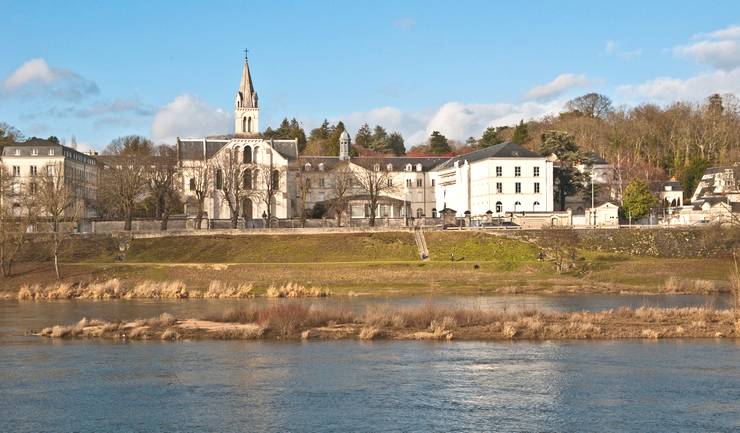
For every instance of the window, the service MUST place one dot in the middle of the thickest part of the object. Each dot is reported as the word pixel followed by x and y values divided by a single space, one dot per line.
pixel 536 172
pixel 34 152
pixel 499 171
pixel 321 183
pixel 518 187
pixel 499 187
pixel 376 167
pixel 389 167
pixel 244 124
pixel 275 179
pixel 249 124
pixel 219 179
pixel 434 212
pixel 517 171
pixel 16 171
pixel 307 167
pixel 321 166
pixel 255 153
pixel 499 207
pixel 408 167
pixel 419 212
pixel 32 187
pixel 247 179
pixel 17 152
pixel 192 184
pixel 536 187
pixel 247 155
pixel 50 170
pixel 535 205
pixel 418 183
pixel 51 152
pixel 418 167
pixel 433 182
pixel 390 183
pixel 408 183
pixel 517 204
pixel 34 171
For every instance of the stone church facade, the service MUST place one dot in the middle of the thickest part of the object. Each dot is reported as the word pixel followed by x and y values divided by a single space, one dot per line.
pixel 489 182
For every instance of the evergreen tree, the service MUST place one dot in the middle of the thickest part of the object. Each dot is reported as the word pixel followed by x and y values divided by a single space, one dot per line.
pixel 490 138
pixel 379 140
pixel 471 142
pixel 568 180
pixel 521 133
pixel 362 138
pixel 637 200
pixel 396 144
pixel 438 143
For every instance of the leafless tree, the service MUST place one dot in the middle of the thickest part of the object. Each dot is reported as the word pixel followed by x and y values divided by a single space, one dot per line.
pixel 200 179
pixel 163 186
pixel 124 180
pixel 591 105
pixel 376 182
pixel 18 212
pixel 58 204
pixel 341 186
pixel 269 180
pixel 303 189
pixel 233 182
pixel 560 245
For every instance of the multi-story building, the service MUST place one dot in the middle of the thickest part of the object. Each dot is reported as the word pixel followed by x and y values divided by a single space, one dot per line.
pixel 30 161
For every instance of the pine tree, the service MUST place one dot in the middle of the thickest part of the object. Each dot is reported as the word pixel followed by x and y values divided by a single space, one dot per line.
pixel 396 144
pixel 490 138
pixel 438 143
pixel 521 134
pixel 362 138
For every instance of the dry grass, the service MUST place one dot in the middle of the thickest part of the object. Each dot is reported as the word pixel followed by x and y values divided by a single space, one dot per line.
pixel 294 290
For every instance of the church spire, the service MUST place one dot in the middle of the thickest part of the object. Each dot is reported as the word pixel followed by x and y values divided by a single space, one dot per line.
pixel 247 96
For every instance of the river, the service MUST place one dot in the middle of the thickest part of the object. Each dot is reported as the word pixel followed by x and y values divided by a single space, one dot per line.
pixel 234 386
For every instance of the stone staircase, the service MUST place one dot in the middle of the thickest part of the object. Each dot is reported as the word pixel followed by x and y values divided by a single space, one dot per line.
pixel 421 243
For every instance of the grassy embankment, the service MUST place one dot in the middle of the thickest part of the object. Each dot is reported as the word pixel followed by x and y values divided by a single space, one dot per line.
pixel 369 263
pixel 294 321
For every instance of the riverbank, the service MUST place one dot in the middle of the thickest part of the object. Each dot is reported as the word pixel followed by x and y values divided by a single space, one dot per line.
pixel 299 322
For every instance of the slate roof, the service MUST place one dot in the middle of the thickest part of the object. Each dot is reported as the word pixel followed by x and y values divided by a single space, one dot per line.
pixel 399 162
pixel 659 186
pixel 43 146
pixel 193 149
pixel 501 150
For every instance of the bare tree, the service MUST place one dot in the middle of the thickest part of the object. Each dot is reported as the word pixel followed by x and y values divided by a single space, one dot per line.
pixel 232 182
pixel 162 175
pixel 269 181
pixel 341 185
pixel 18 213
pixel 124 181
pixel 57 203
pixel 376 182
pixel 200 178
pixel 591 105
pixel 560 245
pixel 303 189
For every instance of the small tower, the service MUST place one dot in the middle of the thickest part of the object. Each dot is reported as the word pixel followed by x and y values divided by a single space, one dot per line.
pixel 246 106
pixel 344 146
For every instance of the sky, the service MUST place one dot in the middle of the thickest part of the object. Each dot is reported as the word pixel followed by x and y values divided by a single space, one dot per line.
pixel 97 70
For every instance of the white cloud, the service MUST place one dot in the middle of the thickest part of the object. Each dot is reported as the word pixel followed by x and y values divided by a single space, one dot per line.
pixel 456 120
pixel 667 89
pixel 188 116
pixel 36 77
pixel 720 49
pixel 556 87
pixel 405 23
pixel 614 48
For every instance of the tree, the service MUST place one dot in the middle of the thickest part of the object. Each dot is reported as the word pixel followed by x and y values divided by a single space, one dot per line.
pixel 162 174
pixel 396 144
pixel 303 189
pixel 363 135
pixel 231 183
pixel 269 182
pixel 288 130
pixel 568 179
pixel 591 105
pixel 200 177
pixel 9 134
pixel 521 133
pixel 490 138
pixel 560 245
pixel 341 184
pixel 637 200
pixel 57 202
pixel 124 181
pixel 438 143
pixel 376 183
pixel 18 212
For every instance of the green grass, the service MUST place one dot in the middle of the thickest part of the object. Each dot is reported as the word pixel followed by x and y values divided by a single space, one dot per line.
pixel 472 246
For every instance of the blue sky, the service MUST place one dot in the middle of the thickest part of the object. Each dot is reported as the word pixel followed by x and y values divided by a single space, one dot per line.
pixel 163 69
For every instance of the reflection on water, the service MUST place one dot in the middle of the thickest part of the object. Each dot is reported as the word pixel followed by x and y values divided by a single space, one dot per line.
pixel 90 386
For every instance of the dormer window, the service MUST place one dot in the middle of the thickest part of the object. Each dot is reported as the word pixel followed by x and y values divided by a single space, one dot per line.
pixel 17 152
pixel 408 167
pixel 418 167
pixel 321 166
pixel 389 167
pixel 307 167
pixel 34 152
pixel 376 167
pixel 51 152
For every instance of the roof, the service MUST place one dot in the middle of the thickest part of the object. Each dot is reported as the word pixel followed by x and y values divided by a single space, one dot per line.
pixel 247 95
pixel 594 158
pixel 660 185
pixel 501 150
pixel 25 148
pixel 399 163
pixel 344 135
pixel 191 149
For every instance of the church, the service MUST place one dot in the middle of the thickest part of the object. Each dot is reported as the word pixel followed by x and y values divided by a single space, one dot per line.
pixel 244 177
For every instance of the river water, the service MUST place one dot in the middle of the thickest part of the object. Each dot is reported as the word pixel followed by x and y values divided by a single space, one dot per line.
pixel 234 386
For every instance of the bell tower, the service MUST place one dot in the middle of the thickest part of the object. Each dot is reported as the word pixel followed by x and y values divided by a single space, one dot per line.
pixel 246 105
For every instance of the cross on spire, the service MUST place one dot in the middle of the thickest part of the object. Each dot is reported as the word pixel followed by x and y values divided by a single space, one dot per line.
pixel 246 52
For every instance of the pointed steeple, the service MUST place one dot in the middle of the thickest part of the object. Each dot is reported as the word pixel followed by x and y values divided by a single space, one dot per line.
pixel 247 97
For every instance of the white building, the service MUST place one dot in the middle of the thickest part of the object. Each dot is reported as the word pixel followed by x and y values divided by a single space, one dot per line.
pixel 499 179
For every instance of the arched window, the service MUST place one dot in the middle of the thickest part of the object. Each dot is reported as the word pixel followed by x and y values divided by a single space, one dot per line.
pixel 275 179
pixel 219 179
pixel 235 154
pixel 534 205
pixel 256 152
pixel 247 155
pixel 321 166
pixel 419 212
pixel 192 184
pixel 307 167
pixel 499 207
pixel 408 167
pixel 418 167
pixel 389 167
pixel 247 209
pixel 434 212
pixel 244 124
pixel 518 203
pixel 249 124
pixel 376 167
pixel 247 179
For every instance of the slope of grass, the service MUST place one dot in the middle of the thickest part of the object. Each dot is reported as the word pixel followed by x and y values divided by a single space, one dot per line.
pixel 471 246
